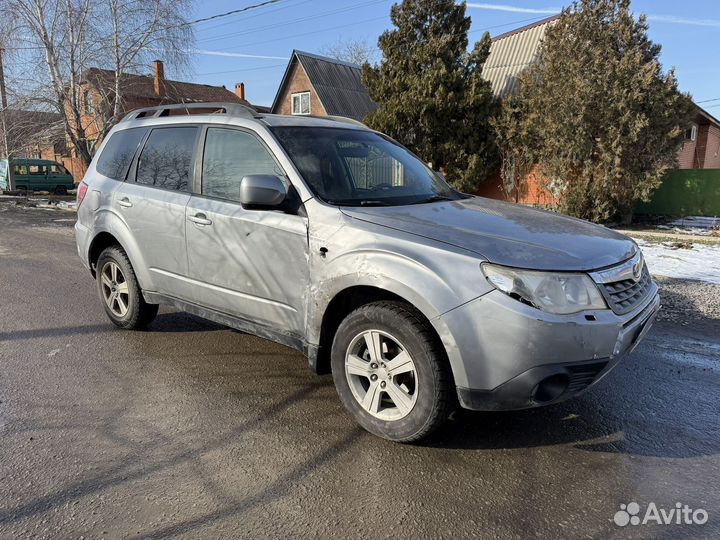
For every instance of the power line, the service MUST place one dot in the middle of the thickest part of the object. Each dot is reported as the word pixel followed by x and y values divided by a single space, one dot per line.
pixel 708 100
pixel 534 19
pixel 233 12
pixel 245 69
pixel 303 34
pixel 353 24
pixel 189 23
pixel 294 21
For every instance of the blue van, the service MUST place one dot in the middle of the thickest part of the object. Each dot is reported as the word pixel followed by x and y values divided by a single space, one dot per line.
pixel 35 175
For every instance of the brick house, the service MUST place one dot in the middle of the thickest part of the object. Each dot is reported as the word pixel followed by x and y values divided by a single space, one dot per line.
pixel 320 86
pixel 138 91
pixel 513 51
pixel 701 149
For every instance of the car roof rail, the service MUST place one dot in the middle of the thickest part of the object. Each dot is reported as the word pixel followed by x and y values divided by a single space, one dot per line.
pixel 176 109
pixel 343 119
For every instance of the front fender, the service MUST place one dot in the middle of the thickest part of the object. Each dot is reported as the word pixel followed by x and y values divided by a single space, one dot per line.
pixel 433 277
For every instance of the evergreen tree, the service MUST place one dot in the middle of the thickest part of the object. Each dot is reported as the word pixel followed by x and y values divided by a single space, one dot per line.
pixel 596 112
pixel 431 95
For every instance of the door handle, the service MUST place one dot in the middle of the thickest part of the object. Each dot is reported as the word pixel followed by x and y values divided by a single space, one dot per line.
pixel 200 219
pixel 125 202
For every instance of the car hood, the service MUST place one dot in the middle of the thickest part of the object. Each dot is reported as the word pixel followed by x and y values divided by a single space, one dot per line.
pixel 507 234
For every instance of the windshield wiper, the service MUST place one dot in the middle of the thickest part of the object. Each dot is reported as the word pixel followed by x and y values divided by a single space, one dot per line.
pixel 363 202
pixel 434 198
pixel 373 203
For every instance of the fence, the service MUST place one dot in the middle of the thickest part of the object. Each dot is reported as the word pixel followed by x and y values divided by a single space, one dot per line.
pixel 685 192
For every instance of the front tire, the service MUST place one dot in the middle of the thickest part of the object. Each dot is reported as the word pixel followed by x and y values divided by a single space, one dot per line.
pixel 391 372
pixel 120 291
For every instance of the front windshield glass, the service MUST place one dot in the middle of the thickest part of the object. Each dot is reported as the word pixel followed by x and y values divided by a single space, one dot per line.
pixel 351 167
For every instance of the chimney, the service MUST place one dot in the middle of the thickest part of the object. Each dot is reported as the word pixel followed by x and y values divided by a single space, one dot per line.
pixel 159 77
pixel 240 90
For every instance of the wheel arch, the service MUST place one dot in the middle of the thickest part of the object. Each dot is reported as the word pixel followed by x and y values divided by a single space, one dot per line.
pixel 106 238
pixel 342 304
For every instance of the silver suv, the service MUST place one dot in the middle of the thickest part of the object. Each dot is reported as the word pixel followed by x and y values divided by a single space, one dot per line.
pixel 333 239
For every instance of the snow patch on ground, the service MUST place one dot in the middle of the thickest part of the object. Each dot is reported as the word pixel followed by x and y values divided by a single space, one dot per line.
pixel 702 262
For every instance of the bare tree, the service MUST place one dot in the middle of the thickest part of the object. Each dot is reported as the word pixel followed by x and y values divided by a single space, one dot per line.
pixel 67 37
pixel 354 51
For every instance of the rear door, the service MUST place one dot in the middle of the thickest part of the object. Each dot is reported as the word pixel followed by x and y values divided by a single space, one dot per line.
pixel 152 202
pixel 247 263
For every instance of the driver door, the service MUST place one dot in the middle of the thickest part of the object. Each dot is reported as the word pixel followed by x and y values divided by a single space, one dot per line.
pixel 252 264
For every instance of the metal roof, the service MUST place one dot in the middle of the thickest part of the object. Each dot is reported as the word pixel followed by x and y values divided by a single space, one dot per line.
pixel 511 52
pixel 337 84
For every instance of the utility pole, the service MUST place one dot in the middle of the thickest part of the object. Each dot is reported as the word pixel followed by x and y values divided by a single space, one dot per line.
pixel 3 93
pixel 3 124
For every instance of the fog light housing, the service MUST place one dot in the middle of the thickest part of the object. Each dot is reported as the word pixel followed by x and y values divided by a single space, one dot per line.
pixel 551 388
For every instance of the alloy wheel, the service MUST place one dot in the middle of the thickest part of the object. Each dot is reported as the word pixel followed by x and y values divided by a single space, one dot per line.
pixel 382 375
pixel 115 289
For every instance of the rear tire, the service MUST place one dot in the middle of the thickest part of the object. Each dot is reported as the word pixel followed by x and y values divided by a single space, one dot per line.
pixel 60 190
pixel 391 372
pixel 120 291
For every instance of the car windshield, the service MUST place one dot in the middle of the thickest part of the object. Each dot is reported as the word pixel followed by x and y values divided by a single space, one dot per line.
pixel 350 167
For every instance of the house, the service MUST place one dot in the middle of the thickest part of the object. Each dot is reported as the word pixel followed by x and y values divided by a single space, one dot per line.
pixel 513 51
pixel 321 86
pixel 32 134
pixel 96 87
pixel 701 149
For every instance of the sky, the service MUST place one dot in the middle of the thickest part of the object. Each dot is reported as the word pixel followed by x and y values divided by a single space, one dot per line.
pixel 254 47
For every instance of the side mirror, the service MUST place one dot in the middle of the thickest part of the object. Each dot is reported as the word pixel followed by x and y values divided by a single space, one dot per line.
pixel 262 190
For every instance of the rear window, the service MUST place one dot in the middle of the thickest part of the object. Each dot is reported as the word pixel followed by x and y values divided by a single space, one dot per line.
pixel 166 159
pixel 115 158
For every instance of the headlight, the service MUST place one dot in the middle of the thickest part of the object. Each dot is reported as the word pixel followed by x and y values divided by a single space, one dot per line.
pixel 554 292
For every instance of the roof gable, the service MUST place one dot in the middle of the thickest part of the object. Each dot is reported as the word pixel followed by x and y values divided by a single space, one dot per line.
pixel 338 85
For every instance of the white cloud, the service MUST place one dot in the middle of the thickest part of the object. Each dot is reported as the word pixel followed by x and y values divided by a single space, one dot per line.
pixel 237 55
pixel 714 23
pixel 512 9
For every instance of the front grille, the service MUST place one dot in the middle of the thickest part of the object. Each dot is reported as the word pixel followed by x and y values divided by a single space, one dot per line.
pixel 622 296
pixel 582 375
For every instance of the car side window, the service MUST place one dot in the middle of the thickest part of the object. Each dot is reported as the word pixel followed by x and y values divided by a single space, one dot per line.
pixel 166 159
pixel 118 153
pixel 229 155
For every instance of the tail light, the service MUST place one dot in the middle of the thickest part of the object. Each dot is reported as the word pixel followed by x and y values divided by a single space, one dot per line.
pixel 81 192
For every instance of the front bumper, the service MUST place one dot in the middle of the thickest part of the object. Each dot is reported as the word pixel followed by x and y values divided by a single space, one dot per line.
pixel 507 355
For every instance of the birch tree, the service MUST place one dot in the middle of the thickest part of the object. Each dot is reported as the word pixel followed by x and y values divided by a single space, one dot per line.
pixel 64 38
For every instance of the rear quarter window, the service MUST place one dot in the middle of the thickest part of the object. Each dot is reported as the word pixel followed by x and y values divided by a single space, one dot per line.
pixel 118 153
pixel 166 160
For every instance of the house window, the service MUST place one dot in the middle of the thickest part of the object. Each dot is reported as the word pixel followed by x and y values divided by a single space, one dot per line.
pixel 301 103
pixel 691 133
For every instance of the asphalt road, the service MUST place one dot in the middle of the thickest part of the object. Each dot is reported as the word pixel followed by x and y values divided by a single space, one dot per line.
pixel 193 430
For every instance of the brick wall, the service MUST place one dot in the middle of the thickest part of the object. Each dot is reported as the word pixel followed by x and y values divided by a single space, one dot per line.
pixel 298 81
pixel 686 155
pixel 531 192
pixel 710 150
